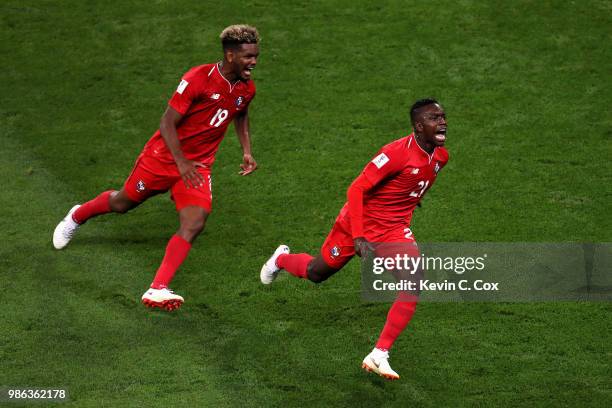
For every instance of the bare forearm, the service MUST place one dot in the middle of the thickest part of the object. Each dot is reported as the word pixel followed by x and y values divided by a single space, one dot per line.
pixel 171 139
pixel 241 124
pixel 245 142
pixel 167 128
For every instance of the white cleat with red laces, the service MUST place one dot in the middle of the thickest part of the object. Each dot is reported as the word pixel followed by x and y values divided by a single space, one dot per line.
pixel 162 298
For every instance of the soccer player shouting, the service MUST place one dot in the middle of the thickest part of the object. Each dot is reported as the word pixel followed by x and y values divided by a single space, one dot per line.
pixel 179 156
pixel 379 209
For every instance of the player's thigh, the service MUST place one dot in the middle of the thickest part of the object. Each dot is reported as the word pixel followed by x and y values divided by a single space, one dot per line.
pixel 403 256
pixel 120 202
pixel 338 248
pixel 200 196
pixel 400 244
pixel 149 177
pixel 192 218
pixel 319 271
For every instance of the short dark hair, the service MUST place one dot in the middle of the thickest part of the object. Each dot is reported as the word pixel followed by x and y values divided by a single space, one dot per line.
pixel 237 34
pixel 418 105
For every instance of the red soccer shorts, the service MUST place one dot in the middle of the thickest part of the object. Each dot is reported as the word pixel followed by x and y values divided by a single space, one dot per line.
pixel 339 248
pixel 151 176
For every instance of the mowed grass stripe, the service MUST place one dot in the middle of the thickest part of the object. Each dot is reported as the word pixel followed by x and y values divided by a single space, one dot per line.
pixel 73 318
pixel 523 84
pixel 95 337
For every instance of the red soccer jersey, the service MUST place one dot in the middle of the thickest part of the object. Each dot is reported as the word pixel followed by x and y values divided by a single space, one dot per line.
pixel 208 103
pixel 400 174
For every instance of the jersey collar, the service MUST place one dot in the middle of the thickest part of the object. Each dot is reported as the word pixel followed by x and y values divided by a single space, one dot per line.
pixel 412 140
pixel 218 69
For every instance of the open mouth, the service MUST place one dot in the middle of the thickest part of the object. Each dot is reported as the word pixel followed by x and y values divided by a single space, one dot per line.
pixel 247 71
pixel 440 135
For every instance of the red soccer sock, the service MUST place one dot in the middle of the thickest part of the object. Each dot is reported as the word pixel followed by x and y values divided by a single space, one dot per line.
pixel 295 264
pixel 397 319
pixel 92 208
pixel 176 252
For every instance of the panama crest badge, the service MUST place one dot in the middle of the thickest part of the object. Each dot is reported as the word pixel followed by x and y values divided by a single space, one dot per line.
pixel 335 252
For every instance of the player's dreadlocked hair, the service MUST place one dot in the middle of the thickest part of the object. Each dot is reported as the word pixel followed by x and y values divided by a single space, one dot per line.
pixel 414 110
pixel 237 34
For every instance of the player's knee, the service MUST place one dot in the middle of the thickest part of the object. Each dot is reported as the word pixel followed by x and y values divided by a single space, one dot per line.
pixel 314 275
pixel 121 204
pixel 193 226
pixel 192 221
pixel 121 208
pixel 316 278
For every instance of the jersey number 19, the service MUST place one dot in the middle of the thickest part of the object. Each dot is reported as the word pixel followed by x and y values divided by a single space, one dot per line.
pixel 219 117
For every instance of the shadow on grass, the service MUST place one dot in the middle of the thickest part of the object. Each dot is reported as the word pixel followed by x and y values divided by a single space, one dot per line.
pixel 120 240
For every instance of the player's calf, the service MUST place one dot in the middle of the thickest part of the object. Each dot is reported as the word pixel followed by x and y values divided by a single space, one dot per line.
pixel 120 203
pixel 303 266
pixel 319 271
pixel 192 220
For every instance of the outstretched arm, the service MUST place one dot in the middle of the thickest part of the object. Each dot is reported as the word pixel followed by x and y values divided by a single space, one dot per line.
pixel 241 123
pixel 187 168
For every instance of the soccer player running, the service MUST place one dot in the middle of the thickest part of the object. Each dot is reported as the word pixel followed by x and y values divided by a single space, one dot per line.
pixel 179 156
pixel 379 209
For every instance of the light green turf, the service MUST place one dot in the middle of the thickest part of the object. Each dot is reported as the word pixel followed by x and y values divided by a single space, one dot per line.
pixel 526 86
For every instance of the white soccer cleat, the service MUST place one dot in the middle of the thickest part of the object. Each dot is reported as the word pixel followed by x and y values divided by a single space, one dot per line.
pixel 162 298
pixel 65 229
pixel 269 270
pixel 378 362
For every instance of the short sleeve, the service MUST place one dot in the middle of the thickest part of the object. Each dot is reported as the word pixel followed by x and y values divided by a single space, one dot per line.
pixel 384 165
pixel 186 93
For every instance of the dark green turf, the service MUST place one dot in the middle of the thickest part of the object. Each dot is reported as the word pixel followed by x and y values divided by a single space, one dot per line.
pixel 527 90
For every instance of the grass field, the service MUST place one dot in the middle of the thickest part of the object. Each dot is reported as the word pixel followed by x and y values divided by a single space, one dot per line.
pixel 527 90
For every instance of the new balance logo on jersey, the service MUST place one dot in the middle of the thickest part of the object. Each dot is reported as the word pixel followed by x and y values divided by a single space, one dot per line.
pixel 182 86
pixel 415 171
pixel 215 96
pixel 380 160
